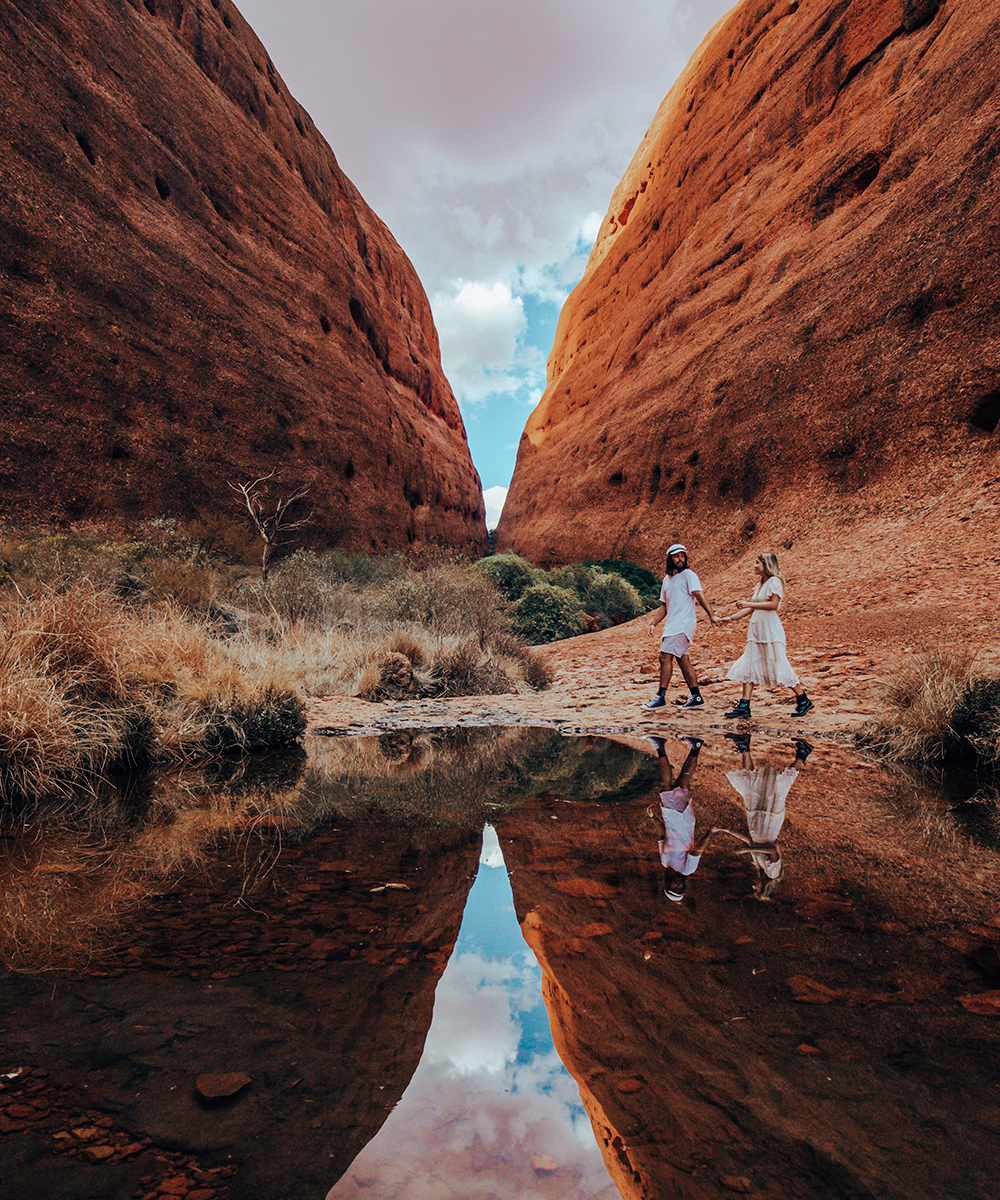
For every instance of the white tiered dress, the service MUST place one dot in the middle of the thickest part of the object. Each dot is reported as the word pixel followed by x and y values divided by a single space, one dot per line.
pixel 764 661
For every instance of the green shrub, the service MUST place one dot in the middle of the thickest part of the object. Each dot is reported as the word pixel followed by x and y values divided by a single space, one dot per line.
pixel 509 573
pixel 602 594
pixel 614 598
pixel 547 614
pixel 643 580
pixel 578 577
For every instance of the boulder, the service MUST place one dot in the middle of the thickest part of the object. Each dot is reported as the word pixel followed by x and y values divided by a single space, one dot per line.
pixel 193 294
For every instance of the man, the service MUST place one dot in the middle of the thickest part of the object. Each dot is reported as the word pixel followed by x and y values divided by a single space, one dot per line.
pixel 681 588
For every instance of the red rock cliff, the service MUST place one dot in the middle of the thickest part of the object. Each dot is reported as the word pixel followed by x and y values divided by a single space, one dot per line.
pixel 790 315
pixel 192 292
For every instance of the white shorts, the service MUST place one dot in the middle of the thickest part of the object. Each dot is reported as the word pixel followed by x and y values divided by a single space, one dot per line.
pixel 677 644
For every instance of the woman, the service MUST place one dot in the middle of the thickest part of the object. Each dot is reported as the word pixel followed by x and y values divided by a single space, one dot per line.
pixel 764 660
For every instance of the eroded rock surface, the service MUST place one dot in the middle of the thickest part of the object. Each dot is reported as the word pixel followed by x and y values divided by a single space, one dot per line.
pixel 193 293
pixel 789 320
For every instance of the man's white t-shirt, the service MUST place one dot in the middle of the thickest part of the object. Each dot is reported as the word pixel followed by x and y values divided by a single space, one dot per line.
pixel 677 593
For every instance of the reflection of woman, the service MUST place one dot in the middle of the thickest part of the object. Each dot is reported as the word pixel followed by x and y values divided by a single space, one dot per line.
pixel 763 791
pixel 679 852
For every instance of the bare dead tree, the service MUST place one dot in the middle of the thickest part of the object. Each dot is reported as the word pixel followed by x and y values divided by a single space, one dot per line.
pixel 270 522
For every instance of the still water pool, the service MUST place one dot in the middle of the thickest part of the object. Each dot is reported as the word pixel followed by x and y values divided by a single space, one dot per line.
pixel 506 962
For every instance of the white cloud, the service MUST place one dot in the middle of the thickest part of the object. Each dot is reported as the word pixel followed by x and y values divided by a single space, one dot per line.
pixel 494 498
pixel 481 327
pixel 489 138
pixel 483 135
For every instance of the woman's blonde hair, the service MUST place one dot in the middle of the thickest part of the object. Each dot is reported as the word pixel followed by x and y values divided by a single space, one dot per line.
pixel 769 562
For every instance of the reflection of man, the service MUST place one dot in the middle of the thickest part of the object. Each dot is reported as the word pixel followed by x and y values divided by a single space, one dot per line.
pixel 679 852
pixel 763 791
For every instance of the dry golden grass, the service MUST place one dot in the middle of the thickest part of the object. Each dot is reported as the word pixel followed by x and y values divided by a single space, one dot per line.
pixel 919 702
pixel 88 685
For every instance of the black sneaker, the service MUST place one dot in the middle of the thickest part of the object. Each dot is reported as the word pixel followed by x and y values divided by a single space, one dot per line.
pixel 803 706
pixel 742 709
pixel 656 702
pixel 694 702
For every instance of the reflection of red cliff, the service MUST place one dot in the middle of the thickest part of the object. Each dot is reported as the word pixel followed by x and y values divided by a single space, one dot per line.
pixel 790 308
pixel 192 292
pixel 801 1048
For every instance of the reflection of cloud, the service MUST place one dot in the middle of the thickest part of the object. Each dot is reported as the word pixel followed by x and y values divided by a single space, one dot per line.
pixel 491 855
pixel 475 1133
pixel 468 1140
pixel 481 1106
pixel 474 1007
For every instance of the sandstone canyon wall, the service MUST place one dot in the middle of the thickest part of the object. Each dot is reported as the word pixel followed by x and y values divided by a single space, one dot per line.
pixel 789 322
pixel 193 293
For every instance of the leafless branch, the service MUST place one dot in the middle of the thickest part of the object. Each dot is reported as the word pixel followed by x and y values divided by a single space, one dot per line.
pixel 270 524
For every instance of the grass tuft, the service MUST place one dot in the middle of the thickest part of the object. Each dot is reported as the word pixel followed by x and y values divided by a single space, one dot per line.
pixel 936 706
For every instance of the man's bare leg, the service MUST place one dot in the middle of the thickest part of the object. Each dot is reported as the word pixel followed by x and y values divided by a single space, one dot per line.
pixel 691 679
pixel 666 670
pixel 688 671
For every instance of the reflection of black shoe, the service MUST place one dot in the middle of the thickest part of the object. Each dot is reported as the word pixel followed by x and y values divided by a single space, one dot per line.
pixel 802 748
pixel 740 740
pixel 803 706
pixel 657 743
pixel 694 744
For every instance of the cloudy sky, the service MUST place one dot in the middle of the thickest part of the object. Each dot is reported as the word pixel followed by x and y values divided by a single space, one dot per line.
pixel 489 137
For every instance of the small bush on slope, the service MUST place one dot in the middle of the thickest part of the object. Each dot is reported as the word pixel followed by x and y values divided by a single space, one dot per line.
pixel 936 706
pixel 510 574
pixel 547 614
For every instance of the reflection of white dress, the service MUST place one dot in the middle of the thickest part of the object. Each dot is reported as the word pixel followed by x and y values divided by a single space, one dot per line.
pixel 763 791
pixel 764 660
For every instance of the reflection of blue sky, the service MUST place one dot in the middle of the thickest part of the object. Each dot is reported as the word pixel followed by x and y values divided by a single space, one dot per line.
pixel 490 1094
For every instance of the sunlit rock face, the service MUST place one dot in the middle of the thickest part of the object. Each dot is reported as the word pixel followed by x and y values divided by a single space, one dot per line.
pixel 193 293
pixel 790 309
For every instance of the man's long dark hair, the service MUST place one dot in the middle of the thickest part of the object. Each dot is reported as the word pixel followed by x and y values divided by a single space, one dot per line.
pixel 671 569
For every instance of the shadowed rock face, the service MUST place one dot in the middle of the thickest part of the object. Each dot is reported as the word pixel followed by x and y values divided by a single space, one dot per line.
pixel 193 293
pixel 790 309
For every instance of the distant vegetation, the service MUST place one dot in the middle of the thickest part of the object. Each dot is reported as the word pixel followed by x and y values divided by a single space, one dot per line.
pixel 578 598
pixel 938 707
pixel 170 647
